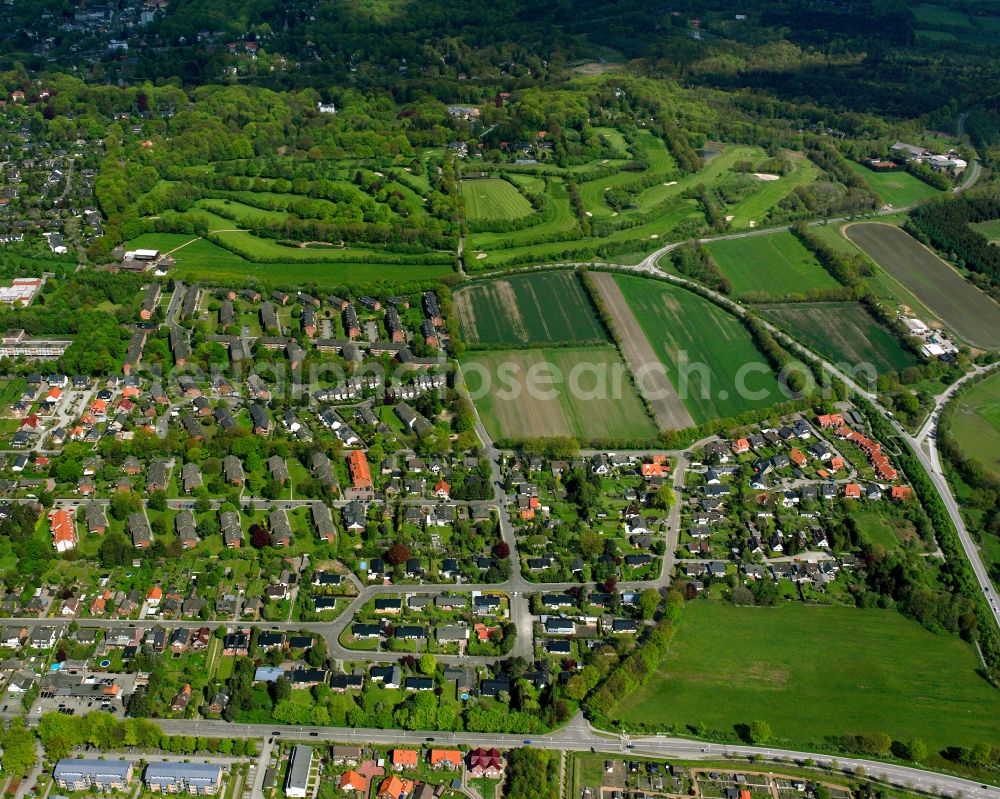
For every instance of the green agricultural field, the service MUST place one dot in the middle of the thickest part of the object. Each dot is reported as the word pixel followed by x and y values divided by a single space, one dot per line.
pixel 535 308
pixel 975 423
pixel 708 354
pixel 777 265
pixel 492 199
pixel 882 283
pixel 963 308
pixel 842 332
pixel 580 392
pixel 201 260
pixel 898 189
pixel 817 672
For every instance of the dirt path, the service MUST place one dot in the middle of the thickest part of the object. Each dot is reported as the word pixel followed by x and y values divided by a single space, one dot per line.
pixel 668 409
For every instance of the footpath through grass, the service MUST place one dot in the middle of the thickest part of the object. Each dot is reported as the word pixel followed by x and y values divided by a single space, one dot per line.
pixel 818 672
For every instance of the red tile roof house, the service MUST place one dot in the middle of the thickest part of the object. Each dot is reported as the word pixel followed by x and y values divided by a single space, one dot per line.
pixel 63 530
pixel 357 464
pixel 181 700
pixel 352 781
pixel 657 468
pixel 446 758
pixel 403 758
pixel 485 763
pixel 902 493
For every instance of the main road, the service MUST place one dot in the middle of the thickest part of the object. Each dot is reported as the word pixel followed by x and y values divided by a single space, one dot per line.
pixel 579 736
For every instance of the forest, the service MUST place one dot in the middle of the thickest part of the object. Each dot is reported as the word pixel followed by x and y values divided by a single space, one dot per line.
pixel 946 226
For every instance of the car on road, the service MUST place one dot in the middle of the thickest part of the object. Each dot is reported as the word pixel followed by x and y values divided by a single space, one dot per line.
pixel 314 735
pixel 428 739
pixel 527 742
pixel 276 732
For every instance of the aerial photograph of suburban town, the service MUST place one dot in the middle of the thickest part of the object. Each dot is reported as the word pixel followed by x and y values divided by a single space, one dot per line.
pixel 534 399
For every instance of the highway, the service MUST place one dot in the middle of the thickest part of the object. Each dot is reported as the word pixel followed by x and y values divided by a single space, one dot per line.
pixel 579 736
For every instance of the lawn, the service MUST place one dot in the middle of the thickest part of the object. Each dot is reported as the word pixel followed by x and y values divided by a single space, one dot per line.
pixel 815 672
pixel 223 207
pixel 492 199
pixel 713 170
pixel 533 308
pixel 708 354
pixel 202 260
pixel 964 308
pixel 898 189
pixel 777 265
pixel 755 208
pixel 11 391
pixel 975 423
pixel 941 16
pixel 580 392
pixel 842 332
pixel 989 229
pixel 269 249
pixel 875 529
pixel 558 218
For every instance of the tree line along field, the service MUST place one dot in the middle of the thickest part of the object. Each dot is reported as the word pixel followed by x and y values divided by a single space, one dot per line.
pixel 842 332
pixel 491 199
pixel 898 189
pixel 975 424
pixel 882 283
pixel 706 351
pixel 817 672
pixel 961 306
pixel 775 265
pixel 548 307
pixel 592 400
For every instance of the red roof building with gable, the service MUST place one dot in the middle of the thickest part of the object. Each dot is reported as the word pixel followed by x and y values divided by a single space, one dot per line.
pixel 357 464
